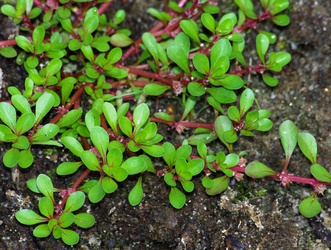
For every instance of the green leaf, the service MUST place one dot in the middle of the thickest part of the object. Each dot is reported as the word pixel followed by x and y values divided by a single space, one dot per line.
pixel 190 28
pixel 119 17
pixel 24 43
pixel 308 146
pixel 70 118
pixel 188 186
pixel 164 116
pixel 114 55
pixel 53 67
pixel 202 150
pixel 222 125
pixel 25 123
pixel 183 151
pixel 288 135
pixel 25 158
pixel 8 10
pixel 179 50
pixel 96 193
pixel 32 185
pixel 8 52
pixel 74 202
pixel 120 40
pixel 278 6
pixel 177 198
pixel 74 45
pixel 195 166
pixel 140 116
pixel 169 154
pixel 247 7
pixel 69 237
pixel 43 106
pixel 189 106
pixel 73 145
pixel 207 182
pixel 101 43
pixel 6 134
pixel 90 161
pixel 264 124
pixel 208 21
pixel 109 185
pixel 45 186
pixel 161 15
pixel 38 35
pixel 218 185
pixel 271 36
pixel 63 12
pixel 182 169
pixel 151 45
pixel 100 139
pixel 114 157
pixel 201 63
pixel 125 126
pixel 222 48
pixel 153 150
pixel 310 207
pixel 246 101
pixel 88 52
pixel 11 157
pixel 56 229
pixel 67 168
pixel 46 207
pixel 233 114
pixel 215 104
pixel 262 45
pixel 269 80
pixel 229 82
pixel 231 160
pixel 110 114
pixel 29 217
pixel 66 90
pixel 66 219
pixel 154 89
pixel 90 24
pixel 281 20
pixel 222 95
pixel 226 24
pixel 257 169
pixel 134 165
pixel 137 193
pixel 21 103
pixel 169 179
pixel 277 60
pixel 92 119
pixel 84 220
pixel 8 115
pixel 45 133
pixel 35 12
pixel 320 173
pixel 42 231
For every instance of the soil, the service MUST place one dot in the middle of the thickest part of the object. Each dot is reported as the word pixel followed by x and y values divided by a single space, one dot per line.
pixel 252 214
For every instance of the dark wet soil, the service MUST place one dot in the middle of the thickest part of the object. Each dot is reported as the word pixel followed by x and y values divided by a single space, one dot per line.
pixel 267 221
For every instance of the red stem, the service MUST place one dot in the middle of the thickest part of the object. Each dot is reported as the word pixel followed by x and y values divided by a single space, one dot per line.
pixel 151 75
pixel 5 43
pixel 183 123
pixel 102 9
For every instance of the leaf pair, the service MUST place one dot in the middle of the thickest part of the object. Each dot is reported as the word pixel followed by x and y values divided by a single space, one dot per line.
pixel 184 169
pixel 276 61
pixel 13 129
pixel 56 226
